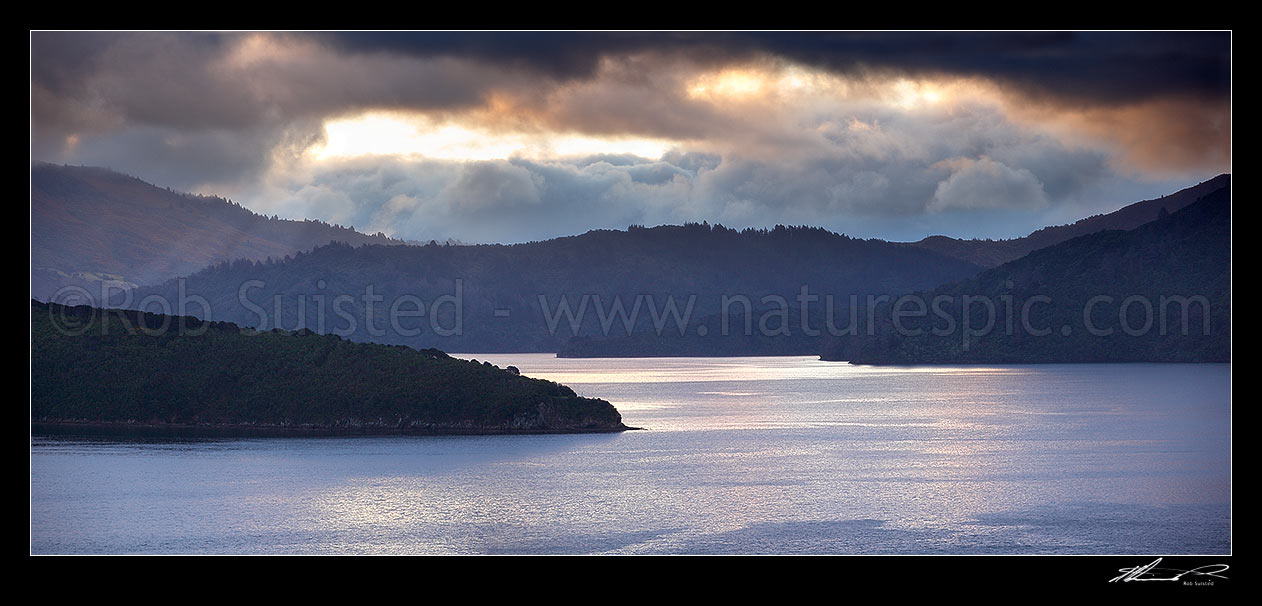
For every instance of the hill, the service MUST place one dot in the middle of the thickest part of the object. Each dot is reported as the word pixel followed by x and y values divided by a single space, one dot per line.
pixel 536 296
pixel 125 368
pixel 93 225
pixel 1158 293
pixel 990 253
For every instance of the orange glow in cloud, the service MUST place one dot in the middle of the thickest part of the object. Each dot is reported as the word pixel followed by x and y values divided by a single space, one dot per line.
pixel 740 104
pixel 728 84
pixel 755 83
pixel 399 134
pixel 1158 136
pixel 804 87
pixel 910 94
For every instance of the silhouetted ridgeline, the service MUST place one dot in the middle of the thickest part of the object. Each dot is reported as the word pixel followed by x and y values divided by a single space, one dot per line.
pixel 990 253
pixel 537 296
pixel 93 367
pixel 794 329
pixel 690 290
pixel 1158 293
pixel 90 225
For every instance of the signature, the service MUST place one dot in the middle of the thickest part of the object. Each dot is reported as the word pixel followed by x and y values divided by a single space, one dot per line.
pixel 1150 572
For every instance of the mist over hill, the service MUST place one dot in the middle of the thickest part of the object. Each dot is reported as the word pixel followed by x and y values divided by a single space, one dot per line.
pixel 1158 293
pixel 93 225
pixel 695 289
pixel 990 253
pixel 804 329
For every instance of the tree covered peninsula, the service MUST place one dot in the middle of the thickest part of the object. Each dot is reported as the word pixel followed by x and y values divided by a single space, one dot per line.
pixel 117 369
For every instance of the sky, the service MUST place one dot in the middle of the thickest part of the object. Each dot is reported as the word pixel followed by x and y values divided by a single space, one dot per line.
pixel 519 136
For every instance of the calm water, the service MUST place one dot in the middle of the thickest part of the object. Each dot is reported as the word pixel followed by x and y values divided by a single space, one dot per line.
pixel 740 455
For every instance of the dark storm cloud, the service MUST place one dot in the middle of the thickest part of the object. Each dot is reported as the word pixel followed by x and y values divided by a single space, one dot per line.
pixel 1107 67
pixel 181 159
pixel 178 78
pixel 1104 67
pixel 561 55
pixel 1036 123
pixel 101 80
pixel 186 160
pixel 105 81
pixel 170 106
pixel 233 81
pixel 60 61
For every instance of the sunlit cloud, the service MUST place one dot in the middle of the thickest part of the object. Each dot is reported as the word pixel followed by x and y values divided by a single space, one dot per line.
pixel 395 134
pixel 387 135
pixel 914 94
pixel 761 83
pixel 730 83
pixel 509 137
pixel 1172 136
pixel 803 88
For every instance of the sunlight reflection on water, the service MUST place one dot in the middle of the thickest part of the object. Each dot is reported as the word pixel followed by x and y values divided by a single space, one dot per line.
pixel 739 455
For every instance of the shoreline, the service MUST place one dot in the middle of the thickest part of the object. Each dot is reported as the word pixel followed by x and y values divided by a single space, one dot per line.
pixel 185 430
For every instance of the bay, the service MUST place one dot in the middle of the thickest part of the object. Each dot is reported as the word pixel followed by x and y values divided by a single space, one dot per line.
pixel 783 455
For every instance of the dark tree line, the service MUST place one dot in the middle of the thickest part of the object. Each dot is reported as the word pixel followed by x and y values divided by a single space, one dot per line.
pixel 115 366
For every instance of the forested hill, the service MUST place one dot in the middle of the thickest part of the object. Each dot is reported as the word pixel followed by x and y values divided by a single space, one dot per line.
pixel 990 253
pixel 1158 293
pixel 125 368
pixel 93 224
pixel 536 296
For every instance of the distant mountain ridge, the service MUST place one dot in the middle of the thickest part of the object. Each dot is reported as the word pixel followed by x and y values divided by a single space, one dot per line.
pixel 711 341
pixel 990 253
pixel 1158 293
pixel 536 296
pixel 90 225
